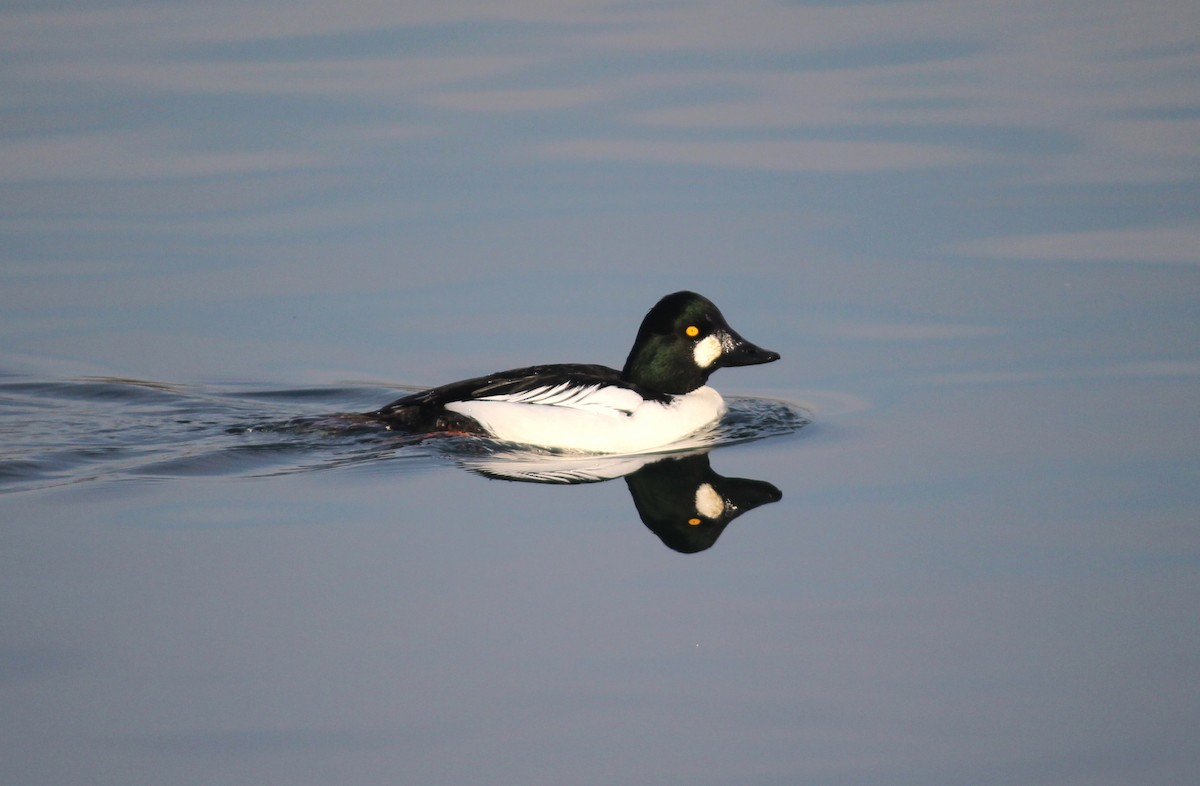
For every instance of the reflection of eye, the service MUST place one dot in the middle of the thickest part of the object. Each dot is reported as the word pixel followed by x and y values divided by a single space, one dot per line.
pixel 692 331
pixel 693 521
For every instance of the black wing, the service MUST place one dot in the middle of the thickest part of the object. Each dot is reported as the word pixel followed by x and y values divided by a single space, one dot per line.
pixel 425 409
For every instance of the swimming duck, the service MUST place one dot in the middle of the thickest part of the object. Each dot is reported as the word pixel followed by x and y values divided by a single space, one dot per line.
pixel 657 398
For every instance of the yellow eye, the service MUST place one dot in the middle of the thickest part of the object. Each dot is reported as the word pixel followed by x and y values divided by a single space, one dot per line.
pixel 693 521
pixel 692 331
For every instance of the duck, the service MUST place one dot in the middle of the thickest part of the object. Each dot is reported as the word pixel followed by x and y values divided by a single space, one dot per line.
pixel 659 396
pixel 678 496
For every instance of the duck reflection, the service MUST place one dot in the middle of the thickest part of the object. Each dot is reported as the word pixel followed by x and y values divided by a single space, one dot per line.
pixel 688 505
pixel 680 498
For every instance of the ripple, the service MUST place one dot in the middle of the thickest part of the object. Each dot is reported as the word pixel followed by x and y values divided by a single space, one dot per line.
pixel 95 428
pixel 750 419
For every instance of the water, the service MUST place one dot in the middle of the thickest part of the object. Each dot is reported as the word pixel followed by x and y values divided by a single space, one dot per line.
pixel 103 429
pixel 966 544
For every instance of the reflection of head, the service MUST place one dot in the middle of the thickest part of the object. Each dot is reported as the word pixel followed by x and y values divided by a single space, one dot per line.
pixel 688 505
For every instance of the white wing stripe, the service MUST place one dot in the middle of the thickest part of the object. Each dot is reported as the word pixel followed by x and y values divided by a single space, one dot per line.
pixel 566 395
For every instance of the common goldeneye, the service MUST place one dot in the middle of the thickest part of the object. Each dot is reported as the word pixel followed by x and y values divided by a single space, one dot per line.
pixel 679 497
pixel 659 397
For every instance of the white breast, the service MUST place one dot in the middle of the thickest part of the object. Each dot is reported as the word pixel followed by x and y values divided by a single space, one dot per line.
pixel 596 419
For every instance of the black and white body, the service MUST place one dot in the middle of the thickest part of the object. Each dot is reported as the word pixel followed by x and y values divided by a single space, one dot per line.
pixel 659 397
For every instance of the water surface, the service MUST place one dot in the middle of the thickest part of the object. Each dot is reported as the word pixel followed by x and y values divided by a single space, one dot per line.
pixel 970 230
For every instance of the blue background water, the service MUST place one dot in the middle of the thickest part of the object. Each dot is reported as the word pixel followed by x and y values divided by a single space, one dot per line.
pixel 970 229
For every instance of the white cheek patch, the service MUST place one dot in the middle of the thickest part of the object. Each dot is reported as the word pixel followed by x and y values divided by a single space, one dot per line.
pixel 707 350
pixel 709 503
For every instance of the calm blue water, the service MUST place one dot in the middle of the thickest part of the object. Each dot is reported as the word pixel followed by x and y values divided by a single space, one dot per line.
pixel 971 230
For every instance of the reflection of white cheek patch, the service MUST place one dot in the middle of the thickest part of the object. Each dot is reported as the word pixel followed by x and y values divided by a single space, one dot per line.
pixel 707 350
pixel 708 502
